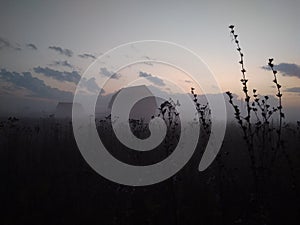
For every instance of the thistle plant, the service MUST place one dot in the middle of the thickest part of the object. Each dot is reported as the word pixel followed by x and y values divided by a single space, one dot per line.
pixel 258 107
pixel 168 112
pixel 244 80
pixel 279 96
pixel 261 131
pixel 204 112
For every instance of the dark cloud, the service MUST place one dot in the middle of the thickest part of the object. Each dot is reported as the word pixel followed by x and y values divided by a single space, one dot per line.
pixel 107 73
pixel 287 69
pixel 142 74
pixel 91 85
pixel 148 63
pixel 66 52
pixel 293 89
pixel 4 43
pixel 153 79
pixel 87 55
pixel 73 76
pixel 18 48
pixel 31 46
pixel 62 63
pixel 36 86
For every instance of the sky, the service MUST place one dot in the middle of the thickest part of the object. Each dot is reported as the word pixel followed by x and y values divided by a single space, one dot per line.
pixel 46 46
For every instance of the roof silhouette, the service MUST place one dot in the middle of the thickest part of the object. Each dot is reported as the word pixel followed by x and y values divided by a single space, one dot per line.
pixel 64 109
pixel 143 109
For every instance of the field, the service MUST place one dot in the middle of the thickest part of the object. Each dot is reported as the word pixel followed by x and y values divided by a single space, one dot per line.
pixel 45 180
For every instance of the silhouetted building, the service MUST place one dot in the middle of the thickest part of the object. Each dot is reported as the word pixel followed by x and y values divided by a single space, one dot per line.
pixel 143 109
pixel 64 109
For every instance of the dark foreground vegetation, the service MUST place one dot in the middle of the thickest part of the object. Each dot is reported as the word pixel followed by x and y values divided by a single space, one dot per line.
pixel 45 180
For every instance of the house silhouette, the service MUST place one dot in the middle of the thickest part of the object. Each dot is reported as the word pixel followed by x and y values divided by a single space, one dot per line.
pixel 143 109
pixel 64 109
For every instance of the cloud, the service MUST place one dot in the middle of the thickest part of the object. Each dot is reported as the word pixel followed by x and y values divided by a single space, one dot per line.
pixel 18 48
pixel 4 43
pixel 293 89
pixel 87 55
pixel 66 52
pixel 31 46
pixel 287 69
pixel 73 76
pixel 152 79
pixel 34 85
pixel 142 74
pixel 107 73
pixel 91 85
pixel 62 63
pixel 148 63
